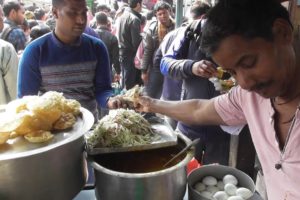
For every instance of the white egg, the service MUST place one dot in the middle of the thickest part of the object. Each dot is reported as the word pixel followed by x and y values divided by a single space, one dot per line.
pixel 199 187
pixel 244 192
pixel 209 180
pixel 206 194
pixel 220 195
pixel 235 198
pixel 230 179
pixel 212 189
pixel 220 185
pixel 230 189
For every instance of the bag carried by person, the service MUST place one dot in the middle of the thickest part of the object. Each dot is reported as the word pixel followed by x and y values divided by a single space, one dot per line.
pixel 6 31
pixel 139 56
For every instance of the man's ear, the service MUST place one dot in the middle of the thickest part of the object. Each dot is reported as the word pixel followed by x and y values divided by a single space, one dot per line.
pixel 12 13
pixel 54 12
pixel 282 30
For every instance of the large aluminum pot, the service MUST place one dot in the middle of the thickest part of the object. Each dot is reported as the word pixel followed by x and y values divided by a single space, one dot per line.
pixel 164 184
pixel 52 171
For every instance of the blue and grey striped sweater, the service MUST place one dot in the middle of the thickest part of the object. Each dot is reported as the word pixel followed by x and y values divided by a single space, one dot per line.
pixel 80 71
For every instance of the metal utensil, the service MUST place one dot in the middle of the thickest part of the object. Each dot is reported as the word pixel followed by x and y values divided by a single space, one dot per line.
pixel 193 143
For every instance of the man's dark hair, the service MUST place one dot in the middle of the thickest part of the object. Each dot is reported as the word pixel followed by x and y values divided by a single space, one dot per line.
pixel 9 6
pixel 32 23
pixel 39 13
pixel 38 31
pixel 133 3
pixel 248 18
pixel 161 5
pixel 101 18
pixel 57 2
pixel 102 7
pixel 199 8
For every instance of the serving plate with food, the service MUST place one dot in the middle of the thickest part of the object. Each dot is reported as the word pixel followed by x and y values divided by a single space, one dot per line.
pixel 41 122
pixel 124 130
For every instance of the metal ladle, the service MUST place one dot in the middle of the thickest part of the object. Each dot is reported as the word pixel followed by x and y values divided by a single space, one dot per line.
pixel 193 143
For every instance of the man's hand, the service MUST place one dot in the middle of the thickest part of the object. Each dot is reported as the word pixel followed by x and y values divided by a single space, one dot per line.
pixel 204 68
pixel 144 104
pixel 117 77
pixel 145 77
pixel 116 102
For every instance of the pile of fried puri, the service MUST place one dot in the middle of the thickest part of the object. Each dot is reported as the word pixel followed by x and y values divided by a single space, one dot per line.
pixel 36 117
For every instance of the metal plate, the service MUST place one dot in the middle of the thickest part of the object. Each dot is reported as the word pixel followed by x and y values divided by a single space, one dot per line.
pixel 19 147
pixel 167 137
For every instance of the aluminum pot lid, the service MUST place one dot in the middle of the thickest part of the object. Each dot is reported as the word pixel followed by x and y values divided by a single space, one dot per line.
pixel 19 147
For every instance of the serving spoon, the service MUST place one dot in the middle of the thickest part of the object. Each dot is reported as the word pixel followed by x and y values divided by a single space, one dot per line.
pixel 184 150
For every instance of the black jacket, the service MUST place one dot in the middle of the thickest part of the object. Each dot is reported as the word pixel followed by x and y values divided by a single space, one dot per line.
pixel 129 33
pixel 151 44
pixel 112 45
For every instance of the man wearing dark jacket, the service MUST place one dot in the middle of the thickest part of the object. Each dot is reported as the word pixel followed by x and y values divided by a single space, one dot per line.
pixel 129 35
pixel 154 35
pixel 110 41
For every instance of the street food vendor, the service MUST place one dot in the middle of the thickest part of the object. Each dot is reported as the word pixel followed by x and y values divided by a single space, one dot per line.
pixel 68 61
pixel 253 40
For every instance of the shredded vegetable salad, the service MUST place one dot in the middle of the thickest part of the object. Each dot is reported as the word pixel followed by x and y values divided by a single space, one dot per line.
pixel 121 128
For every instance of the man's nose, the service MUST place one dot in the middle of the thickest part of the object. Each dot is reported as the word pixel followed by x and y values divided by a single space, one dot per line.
pixel 245 80
pixel 80 19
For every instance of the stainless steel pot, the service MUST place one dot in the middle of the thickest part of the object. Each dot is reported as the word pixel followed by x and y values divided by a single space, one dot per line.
pixel 54 171
pixel 165 184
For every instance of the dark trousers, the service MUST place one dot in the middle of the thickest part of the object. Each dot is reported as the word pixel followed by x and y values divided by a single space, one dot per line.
pixel 130 75
pixel 214 144
pixel 155 83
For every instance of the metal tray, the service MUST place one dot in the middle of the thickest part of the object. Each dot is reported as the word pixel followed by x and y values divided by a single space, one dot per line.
pixel 19 147
pixel 167 137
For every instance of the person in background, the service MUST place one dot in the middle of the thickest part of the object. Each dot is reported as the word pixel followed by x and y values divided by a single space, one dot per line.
pixel 182 62
pixel 129 37
pixel 40 16
pixel 32 23
pixel 149 18
pixel 111 43
pixel 14 13
pixel 152 78
pixel 50 22
pixel 262 54
pixel 171 87
pixel 26 29
pixel 29 15
pixel 68 61
pixel 8 69
pixel 38 31
pixel 99 8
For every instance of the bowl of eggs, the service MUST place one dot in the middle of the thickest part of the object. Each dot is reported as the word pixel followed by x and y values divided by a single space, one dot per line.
pixel 219 182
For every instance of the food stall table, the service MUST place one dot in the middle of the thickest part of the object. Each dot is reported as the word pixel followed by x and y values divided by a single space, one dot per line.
pixel 90 195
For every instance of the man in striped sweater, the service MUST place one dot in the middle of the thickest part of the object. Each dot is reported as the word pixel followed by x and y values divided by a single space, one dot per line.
pixel 68 61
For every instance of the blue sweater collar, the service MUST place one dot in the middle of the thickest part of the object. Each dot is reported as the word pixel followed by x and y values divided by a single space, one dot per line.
pixel 77 43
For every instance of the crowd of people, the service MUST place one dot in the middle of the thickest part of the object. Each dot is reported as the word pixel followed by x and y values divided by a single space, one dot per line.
pixel 82 52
